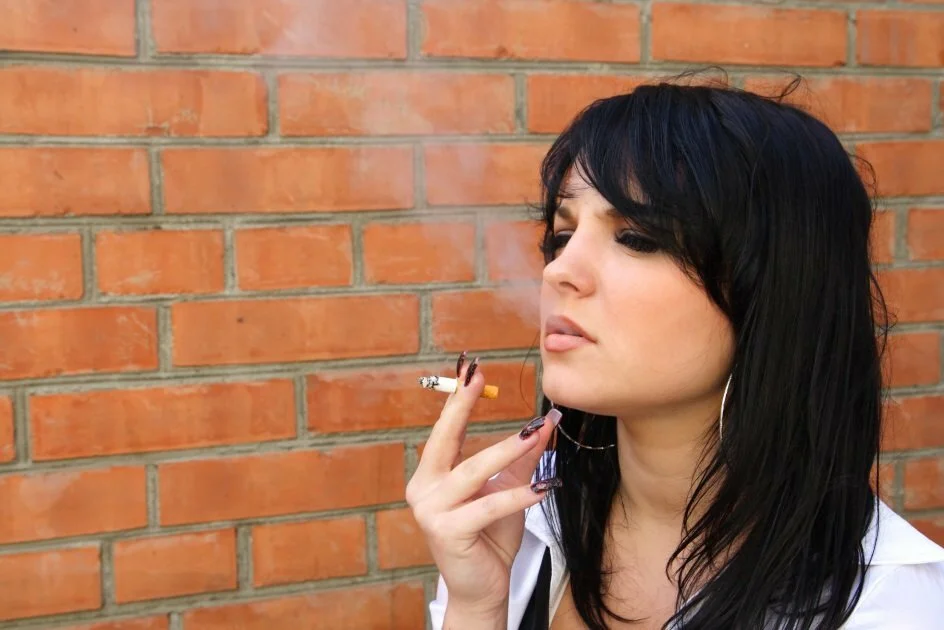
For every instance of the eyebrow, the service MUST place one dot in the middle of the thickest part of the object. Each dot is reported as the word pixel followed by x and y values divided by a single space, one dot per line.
pixel 565 213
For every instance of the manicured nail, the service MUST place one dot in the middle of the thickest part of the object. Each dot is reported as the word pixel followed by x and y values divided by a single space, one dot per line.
pixel 471 371
pixel 554 417
pixel 460 363
pixel 532 427
pixel 546 484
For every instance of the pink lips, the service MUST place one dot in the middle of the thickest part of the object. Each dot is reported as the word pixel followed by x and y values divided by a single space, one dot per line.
pixel 562 334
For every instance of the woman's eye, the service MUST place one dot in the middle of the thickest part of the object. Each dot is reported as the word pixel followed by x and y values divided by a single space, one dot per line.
pixel 636 242
pixel 556 243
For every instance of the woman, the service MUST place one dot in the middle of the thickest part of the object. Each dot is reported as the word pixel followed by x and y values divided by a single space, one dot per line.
pixel 711 338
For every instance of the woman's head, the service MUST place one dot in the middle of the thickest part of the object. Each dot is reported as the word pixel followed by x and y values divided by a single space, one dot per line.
pixel 693 233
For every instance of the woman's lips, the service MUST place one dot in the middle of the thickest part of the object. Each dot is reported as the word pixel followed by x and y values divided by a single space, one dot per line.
pixel 563 334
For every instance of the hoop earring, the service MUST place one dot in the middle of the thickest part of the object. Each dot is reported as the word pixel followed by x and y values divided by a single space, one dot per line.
pixel 724 397
pixel 560 429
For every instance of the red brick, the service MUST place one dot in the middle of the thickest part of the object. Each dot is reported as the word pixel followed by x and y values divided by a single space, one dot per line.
pixel 318 179
pixel 310 550
pixel 924 483
pixel 77 341
pixel 89 424
pixel 483 174
pixel 883 237
pixel 74 503
pixel 49 582
pixel 887 476
pixel 748 35
pixel 55 181
pixel 400 542
pixel 242 487
pixel 859 105
pixel 91 27
pixel 913 359
pixel 531 29
pixel 512 250
pixel 391 398
pixel 383 607
pixel 7 433
pixel 281 257
pixel 914 295
pixel 926 233
pixel 932 527
pixel 143 262
pixel 68 101
pixel 914 423
pixel 900 38
pixel 906 168
pixel 316 28
pixel 40 266
pixel 168 566
pixel 554 100
pixel 492 320
pixel 145 623
pixel 381 103
pixel 419 252
pixel 296 329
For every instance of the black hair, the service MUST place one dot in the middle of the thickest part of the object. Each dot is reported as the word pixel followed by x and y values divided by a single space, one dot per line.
pixel 761 204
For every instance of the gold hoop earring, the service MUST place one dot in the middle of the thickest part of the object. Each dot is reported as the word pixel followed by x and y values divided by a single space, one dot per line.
pixel 724 397
pixel 560 429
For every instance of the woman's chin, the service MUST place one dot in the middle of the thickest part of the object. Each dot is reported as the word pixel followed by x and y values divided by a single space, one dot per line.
pixel 570 393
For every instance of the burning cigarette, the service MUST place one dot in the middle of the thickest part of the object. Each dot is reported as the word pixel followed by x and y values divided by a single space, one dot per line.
pixel 449 385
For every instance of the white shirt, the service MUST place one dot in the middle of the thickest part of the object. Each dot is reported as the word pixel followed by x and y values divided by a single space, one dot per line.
pixel 903 589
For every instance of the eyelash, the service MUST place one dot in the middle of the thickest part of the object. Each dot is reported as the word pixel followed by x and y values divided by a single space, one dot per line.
pixel 628 239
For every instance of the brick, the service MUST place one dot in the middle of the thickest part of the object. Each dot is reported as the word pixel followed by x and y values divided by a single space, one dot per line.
pixel 915 423
pixel 283 553
pixel 89 27
pixel 148 262
pixel 56 181
pixel 913 359
pixel 77 341
pixel 419 252
pixel 748 35
pixel 887 477
pixel 859 105
pixel 7 432
pixel 400 542
pixel 318 179
pixel 900 38
pixel 914 295
pixel 531 29
pixel 383 607
pixel 483 174
pixel 170 103
pixel 926 233
pixel 931 527
pixel 370 29
pixel 168 566
pixel 906 168
pixel 74 503
pixel 512 250
pixel 486 320
pixel 145 623
pixel 882 237
pixel 40 267
pixel 95 423
pixel 242 487
pixel 924 483
pixel 554 100
pixel 391 398
pixel 49 582
pixel 384 103
pixel 296 329
pixel 281 257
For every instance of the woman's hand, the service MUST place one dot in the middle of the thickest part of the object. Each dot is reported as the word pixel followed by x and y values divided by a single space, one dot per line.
pixel 472 511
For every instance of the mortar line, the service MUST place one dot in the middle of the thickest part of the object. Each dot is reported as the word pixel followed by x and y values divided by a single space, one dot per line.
pixel 230 283
pixel 21 427
pixel 244 568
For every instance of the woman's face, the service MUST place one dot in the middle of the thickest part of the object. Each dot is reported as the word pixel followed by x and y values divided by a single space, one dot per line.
pixel 651 341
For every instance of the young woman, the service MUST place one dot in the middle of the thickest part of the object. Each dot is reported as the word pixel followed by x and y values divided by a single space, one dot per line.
pixel 711 338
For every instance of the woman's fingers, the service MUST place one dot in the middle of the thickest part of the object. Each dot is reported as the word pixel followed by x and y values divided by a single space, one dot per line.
pixel 521 470
pixel 476 515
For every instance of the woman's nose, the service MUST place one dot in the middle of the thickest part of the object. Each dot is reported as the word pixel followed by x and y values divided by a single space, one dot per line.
pixel 572 269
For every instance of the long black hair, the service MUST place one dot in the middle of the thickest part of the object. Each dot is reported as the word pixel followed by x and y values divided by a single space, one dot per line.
pixel 760 203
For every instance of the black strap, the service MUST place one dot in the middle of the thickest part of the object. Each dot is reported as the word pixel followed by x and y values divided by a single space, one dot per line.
pixel 537 614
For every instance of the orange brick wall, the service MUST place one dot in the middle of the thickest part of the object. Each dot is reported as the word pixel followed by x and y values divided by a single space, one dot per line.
pixel 233 232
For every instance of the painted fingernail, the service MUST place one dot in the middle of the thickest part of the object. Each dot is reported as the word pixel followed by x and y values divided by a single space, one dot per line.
pixel 471 371
pixel 460 363
pixel 546 484
pixel 554 417
pixel 532 427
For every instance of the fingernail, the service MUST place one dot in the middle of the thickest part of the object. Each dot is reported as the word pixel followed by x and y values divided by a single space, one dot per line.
pixel 553 416
pixel 530 428
pixel 546 484
pixel 471 371
pixel 460 363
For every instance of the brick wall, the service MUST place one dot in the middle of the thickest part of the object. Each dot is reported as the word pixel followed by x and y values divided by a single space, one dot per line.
pixel 233 232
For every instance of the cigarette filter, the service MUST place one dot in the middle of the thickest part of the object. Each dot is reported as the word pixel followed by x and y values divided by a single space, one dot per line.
pixel 448 385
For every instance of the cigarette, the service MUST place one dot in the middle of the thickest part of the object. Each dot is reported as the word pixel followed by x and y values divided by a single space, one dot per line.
pixel 448 385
